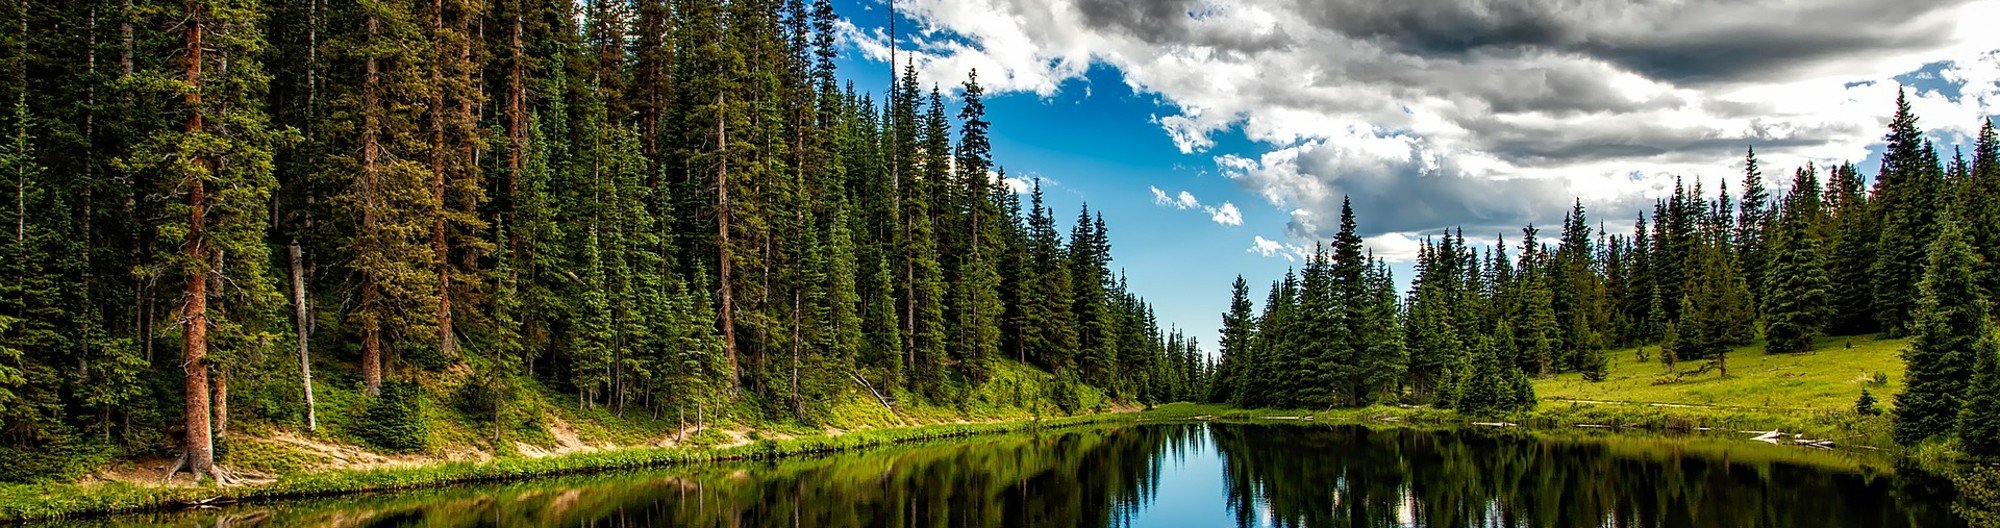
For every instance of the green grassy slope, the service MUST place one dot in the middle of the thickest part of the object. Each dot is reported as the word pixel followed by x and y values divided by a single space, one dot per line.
pixel 1828 379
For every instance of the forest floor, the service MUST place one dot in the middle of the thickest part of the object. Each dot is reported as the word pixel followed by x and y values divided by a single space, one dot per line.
pixel 551 434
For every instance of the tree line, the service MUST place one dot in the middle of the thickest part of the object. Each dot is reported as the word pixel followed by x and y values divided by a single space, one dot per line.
pixel 1914 253
pixel 663 205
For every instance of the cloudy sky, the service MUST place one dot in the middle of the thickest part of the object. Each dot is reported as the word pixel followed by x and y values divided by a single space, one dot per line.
pixel 1219 137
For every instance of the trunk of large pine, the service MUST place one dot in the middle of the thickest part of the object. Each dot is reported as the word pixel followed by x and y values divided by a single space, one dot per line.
pixel 200 447
pixel 728 309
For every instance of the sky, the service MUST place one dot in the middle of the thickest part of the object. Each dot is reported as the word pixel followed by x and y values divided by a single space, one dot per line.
pixel 1219 137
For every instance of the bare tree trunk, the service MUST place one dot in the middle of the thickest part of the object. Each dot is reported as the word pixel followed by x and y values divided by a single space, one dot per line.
pixel 221 400
pixel 371 326
pixel 299 319
pixel 200 447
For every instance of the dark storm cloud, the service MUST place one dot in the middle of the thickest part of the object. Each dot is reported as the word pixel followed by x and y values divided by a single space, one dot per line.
pixel 1172 22
pixel 1399 196
pixel 1631 140
pixel 1149 19
pixel 1691 42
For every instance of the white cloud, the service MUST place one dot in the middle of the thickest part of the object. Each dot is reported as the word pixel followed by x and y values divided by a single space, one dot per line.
pixel 1185 200
pixel 1267 247
pixel 1393 247
pixel 1227 214
pixel 1432 113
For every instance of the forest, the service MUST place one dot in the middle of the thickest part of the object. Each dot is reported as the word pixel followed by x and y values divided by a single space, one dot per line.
pixel 670 207
pixel 365 214
pixel 1915 254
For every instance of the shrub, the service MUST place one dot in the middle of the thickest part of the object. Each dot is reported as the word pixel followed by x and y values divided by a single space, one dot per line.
pixel 1866 404
pixel 395 420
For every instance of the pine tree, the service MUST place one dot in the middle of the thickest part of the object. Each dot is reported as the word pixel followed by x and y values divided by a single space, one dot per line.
pixel 221 159
pixel 1979 418
pixel 1237 332
pixel 391 196
pixel 1753 227
pixel 1951 330
pixel 1907 194
pixel 1978 204
pixel 1796 305
pixel 1855 224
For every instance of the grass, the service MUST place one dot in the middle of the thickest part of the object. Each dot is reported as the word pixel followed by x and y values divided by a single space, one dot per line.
pixel 1828 379
pixel 1811 393
pixel 20 502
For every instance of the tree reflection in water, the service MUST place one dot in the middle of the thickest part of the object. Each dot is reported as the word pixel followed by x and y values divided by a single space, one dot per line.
pixel 1267 475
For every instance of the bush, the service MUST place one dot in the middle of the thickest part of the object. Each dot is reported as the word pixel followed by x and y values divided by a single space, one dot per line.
pixel 475 400
pixel 1067 396
pixel 395 420
pixel 1866 404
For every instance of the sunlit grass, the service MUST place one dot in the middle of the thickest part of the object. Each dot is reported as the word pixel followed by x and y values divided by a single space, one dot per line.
pixel 1828 379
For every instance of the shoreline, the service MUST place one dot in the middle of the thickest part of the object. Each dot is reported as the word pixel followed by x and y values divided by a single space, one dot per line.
pixel 44 502
pixel 48 502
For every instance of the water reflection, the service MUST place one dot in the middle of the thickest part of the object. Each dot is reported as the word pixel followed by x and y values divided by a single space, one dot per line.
pixel 1185 475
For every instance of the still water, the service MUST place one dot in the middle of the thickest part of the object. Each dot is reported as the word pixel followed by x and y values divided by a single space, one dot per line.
pixel 1187 475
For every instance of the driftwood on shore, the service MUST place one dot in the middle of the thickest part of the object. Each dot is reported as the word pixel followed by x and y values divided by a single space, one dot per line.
pixel 1777 437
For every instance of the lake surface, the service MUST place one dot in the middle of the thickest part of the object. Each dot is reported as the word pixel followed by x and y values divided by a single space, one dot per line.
pixel 1176 475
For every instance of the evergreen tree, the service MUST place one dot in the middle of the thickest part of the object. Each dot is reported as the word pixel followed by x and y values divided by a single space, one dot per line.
pixel 220 157
pixel 1907 195
pixel 1753 227
pixel 1852 255
pixel 1951 331
pixel 1979 418
pixel 1238 330
pixel 1796 306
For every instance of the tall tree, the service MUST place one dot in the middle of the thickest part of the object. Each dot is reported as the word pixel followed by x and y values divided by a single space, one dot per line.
pixel 1907 194
pixel 1797 304
pixel 1753 227
pixel 220 156
pixel 1950 332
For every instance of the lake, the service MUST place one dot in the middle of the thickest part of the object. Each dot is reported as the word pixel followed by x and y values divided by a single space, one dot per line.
pixel 1188 475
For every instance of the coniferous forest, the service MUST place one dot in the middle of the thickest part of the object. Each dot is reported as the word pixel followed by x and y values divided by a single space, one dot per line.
pixel 663 206
pixel 376 215
pixel 1914 253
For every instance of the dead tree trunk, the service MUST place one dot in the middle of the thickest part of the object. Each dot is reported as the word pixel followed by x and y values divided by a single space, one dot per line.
pixel 299 319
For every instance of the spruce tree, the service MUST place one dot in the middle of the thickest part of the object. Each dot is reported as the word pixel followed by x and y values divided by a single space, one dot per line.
pixel 1238 328
pixel 1907 194
pixel 1978 204
pixel 220 157
pixel 1855 224
pixel 1797 303
pixel 1979 419
pixel 1753 227
pixel 1950 331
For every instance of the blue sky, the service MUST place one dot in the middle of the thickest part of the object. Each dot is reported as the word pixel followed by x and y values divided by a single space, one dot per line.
pixel 1431 114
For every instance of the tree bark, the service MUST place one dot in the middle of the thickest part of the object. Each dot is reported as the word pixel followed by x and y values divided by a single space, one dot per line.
pixel 440 250
pixel 371 324
pixel 728 311
pixel 299 320
pixel 200 447
pixel 220 402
